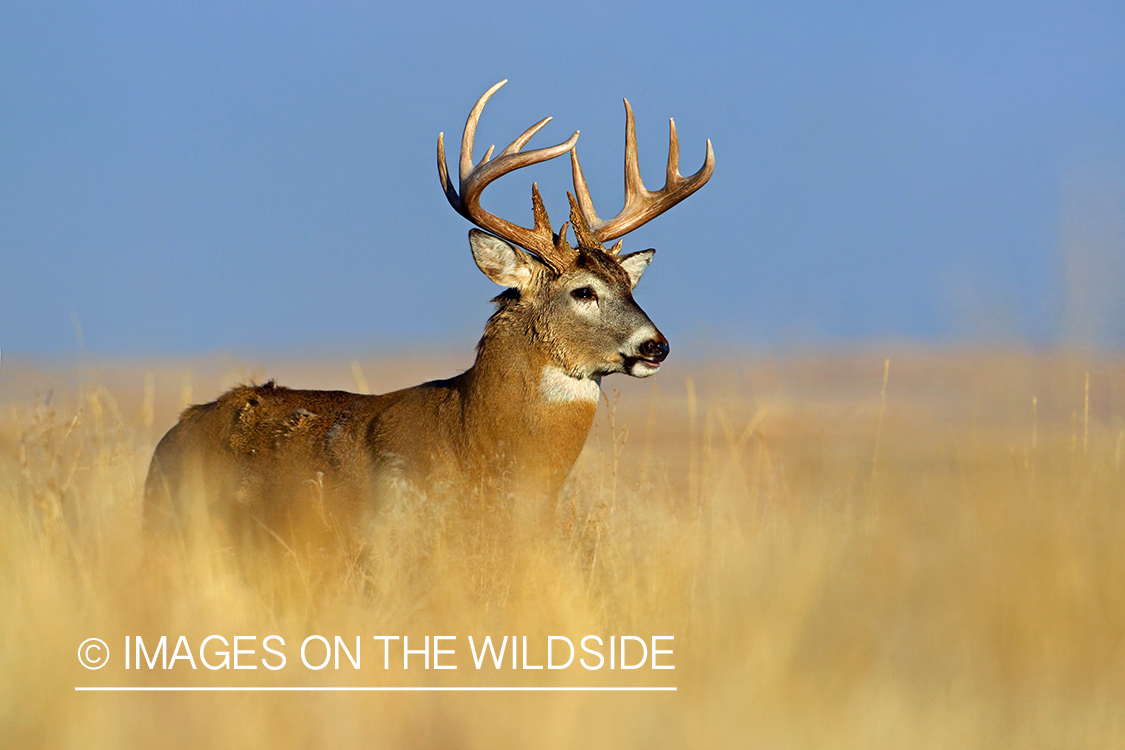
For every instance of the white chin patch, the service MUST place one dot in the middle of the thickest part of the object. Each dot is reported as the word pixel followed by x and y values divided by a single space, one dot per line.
pixel 557 387
pixel 640 368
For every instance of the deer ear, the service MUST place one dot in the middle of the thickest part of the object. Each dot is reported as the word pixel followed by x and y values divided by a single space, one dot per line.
pixel 505 264
pixel 635 264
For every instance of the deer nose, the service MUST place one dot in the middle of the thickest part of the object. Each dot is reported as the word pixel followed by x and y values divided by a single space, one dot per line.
pixel 655 350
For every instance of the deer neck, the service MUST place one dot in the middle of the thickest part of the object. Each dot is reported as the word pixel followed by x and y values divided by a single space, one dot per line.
pixel 522 409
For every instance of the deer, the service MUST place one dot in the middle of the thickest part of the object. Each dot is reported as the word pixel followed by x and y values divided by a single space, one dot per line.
pixel 514 422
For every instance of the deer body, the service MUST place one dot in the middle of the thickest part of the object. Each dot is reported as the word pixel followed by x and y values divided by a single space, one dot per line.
pixel 258 446
pixel 514 422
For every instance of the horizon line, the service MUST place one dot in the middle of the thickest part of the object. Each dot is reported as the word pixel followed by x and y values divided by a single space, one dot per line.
pixel 365 688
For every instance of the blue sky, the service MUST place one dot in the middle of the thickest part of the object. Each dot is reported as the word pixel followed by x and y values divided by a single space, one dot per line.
pixel 256 178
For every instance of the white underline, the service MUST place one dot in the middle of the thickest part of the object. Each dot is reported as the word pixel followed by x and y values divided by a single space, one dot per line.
pixel 410 689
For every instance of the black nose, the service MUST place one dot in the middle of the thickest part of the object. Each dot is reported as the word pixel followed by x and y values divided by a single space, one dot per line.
pixel 655 349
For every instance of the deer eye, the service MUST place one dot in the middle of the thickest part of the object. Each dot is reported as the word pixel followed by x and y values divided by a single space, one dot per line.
pixel 585 293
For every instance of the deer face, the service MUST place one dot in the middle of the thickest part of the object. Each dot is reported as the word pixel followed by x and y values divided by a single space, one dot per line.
pixel 578 301
pixel 585 313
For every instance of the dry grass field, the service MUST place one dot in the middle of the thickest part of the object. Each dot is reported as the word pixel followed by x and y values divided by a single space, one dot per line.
pixel 850 553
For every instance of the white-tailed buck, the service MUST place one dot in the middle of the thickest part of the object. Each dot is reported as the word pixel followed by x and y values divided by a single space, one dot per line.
pixel 513 422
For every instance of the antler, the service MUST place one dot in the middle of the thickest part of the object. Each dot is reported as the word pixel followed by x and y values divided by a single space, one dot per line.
pixel 539 239
pixel 641 205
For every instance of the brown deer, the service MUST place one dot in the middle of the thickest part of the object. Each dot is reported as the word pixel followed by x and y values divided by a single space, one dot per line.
pixel 513 422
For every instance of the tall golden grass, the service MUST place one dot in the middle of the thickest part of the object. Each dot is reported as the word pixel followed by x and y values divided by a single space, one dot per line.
pixel 925 551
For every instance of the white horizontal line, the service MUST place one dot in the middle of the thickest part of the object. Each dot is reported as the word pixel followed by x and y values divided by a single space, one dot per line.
pixel 410 689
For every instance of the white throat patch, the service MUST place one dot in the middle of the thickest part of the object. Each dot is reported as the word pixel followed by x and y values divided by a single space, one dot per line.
pixel 556 387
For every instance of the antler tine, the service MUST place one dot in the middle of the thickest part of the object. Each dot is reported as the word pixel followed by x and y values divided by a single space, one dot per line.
pixel 486 172
pixel 641 204
pixel 519 143
pixel 673 174
pixel 634 188
pixel 582 193
pixel 443 175
pixel 471 131
pixel 473 181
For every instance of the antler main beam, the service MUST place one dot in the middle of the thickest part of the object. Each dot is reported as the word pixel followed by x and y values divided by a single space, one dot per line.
pixel 641 204
pixel 474 179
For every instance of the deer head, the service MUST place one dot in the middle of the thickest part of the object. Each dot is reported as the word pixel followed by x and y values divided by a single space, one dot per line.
pixel 577 301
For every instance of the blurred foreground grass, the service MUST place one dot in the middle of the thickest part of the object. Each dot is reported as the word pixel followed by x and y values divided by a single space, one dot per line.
pixel 848 556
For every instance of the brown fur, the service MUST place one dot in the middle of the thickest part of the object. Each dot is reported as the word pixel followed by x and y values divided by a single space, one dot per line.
pixel 283 458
